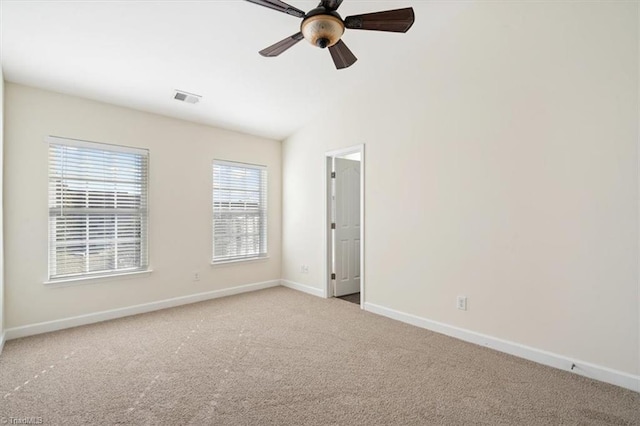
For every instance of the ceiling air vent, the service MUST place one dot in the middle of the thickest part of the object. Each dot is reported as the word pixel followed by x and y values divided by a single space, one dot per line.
pixel 187 97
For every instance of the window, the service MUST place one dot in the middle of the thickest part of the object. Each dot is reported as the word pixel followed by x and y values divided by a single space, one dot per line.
pixel 239 211
pixel 97 209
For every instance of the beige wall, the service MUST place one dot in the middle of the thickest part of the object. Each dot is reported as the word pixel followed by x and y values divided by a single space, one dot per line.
pixel 1 203
pixel 180 204
pixel 504 168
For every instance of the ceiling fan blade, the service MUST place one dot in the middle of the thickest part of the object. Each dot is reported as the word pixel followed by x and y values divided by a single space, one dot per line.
pixel 281 46
pixel 330 4
pixel 280 6
pixel 342 56
pixel 398 21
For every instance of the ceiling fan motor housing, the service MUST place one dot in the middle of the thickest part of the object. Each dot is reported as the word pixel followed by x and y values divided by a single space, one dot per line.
pixel 322 28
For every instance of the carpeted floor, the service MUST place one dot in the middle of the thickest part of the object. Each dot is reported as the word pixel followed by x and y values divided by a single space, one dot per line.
pixel 280 357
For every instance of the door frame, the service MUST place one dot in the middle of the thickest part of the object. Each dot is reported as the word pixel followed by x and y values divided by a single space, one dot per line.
pixel 329 156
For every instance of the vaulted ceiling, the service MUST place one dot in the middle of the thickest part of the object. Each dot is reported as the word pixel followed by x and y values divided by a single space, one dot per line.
pixel 135 54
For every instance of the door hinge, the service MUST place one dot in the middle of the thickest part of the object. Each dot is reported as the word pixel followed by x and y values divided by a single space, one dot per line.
pixel 333 175
pixel 333 276
pixel 333 226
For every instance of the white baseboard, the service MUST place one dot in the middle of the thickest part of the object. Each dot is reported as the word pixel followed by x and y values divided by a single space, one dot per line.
pixel 45 327
pixel 302 287
pixel 3 336
pixel 561 362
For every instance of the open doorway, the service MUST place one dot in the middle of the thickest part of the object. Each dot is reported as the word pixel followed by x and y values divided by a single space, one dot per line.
pixel 345 224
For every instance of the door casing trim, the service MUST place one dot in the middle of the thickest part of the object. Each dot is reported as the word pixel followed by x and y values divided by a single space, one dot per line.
pixel 328 287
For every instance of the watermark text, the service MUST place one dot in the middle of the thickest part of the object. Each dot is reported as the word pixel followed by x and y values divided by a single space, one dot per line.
pixel 21 420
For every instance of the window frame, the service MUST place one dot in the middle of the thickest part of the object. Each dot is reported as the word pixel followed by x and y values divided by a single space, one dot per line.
pixel 142 259
pixel 261 209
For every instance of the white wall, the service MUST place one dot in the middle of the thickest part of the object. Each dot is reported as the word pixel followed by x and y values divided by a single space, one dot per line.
pixel 179 198
pixel 505 168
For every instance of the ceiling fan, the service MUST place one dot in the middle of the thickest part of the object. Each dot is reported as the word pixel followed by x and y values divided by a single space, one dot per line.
pixel 323 27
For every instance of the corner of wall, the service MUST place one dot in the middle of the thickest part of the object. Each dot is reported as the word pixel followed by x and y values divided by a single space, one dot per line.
pixel 1 210
pixel 638 170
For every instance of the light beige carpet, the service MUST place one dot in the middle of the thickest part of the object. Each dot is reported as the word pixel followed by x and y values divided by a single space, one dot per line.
pixel 280 357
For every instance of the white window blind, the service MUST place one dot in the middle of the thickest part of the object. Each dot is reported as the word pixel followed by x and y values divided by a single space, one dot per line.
pixel 97 209
pixel 239 211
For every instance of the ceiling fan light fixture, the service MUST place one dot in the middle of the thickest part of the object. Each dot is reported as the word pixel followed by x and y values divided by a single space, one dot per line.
pixel 323 27
pixel 322 30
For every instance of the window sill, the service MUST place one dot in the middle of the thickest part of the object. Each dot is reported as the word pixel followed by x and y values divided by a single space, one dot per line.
pixel 66 282
pixel 233 262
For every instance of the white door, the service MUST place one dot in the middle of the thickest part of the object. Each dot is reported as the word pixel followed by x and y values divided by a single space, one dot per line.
pixel 346 237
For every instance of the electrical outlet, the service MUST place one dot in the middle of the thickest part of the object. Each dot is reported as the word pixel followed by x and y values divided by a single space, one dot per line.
pixel 304 269
pixel 196 276
pixel 461 303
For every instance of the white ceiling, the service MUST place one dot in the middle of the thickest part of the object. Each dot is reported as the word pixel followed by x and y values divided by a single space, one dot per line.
pixel 135 53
